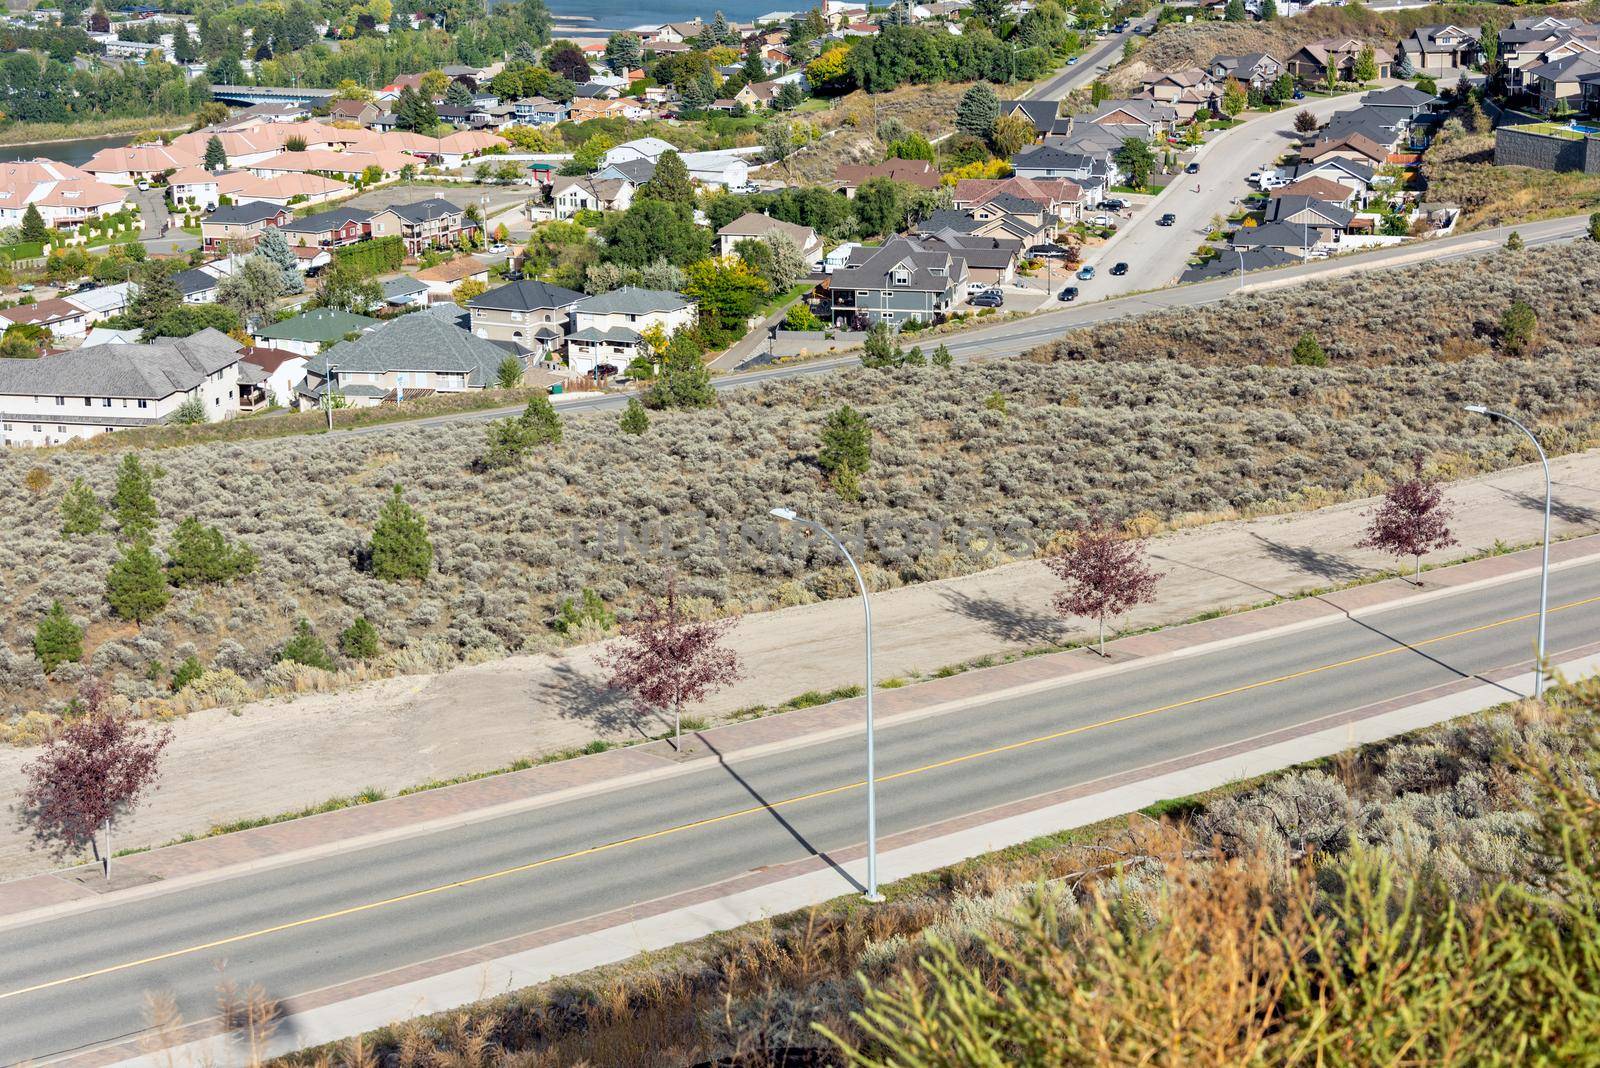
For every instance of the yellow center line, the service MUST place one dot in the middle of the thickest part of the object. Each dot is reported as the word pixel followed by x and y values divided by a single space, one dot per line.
pixel 754 809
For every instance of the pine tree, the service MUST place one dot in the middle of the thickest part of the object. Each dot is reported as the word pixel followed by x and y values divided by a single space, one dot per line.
pixel 134 502
pixel 670 182
pixel 135 587
pixel 942 357
pixel 400 548
pixel 845 451
pixel 1518 325
pixel 359 641
pixel 978 110
pixel 623 52
pixel 216 155
pixel 634 420
pixel 57 640
pixel 199 555
pixel 1234 12
pixel 458 95
pixel 33 227
pixel 81 513
pixel 789 96
pixel 1308 351
pixel 306 648
pixel 510 439
pixel 1269 10
pixel 275 247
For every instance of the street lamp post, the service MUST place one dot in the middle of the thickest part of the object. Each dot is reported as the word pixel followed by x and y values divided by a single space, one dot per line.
pixel 788 516
pixel 1240 251
pixel 327 395
pixel 1544 567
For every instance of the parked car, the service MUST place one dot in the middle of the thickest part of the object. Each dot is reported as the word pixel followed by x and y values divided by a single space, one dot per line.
pixel 1069 293
pixel 1119 268
pixel 144 186
pixel 1114 204
pixel 1085 273
pixel 1071 60
pixel 1167 220
pixel 1193 168
pixel 1299 94
pixel 1046 252
pixel 989 298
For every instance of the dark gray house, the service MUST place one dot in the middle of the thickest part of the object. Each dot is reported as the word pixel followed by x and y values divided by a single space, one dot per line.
pixel 896 283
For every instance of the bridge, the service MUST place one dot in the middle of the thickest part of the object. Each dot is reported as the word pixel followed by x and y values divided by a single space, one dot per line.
pixel 268 94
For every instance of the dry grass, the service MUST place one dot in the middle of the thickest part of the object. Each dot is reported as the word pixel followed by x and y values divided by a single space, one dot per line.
pixel 1460 169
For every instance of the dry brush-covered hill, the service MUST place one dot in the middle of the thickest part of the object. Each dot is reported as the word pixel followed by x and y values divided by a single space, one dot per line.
pixel 1166 415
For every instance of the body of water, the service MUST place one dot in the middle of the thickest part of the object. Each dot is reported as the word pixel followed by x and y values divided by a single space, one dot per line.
pixel 620 14
pixel 76 152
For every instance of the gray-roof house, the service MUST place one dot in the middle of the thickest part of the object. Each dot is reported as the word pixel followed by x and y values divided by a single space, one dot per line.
pixel 608 328
pixel 1285 237
pixel 1436 49
pixel 531 314
pixel 1257 70
pixel 901 281
pixel 404 290
pixel 197 286
pixel 106 388
pixel 406 357
pixel 308 333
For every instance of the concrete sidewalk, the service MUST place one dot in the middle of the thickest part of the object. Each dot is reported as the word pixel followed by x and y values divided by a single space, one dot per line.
pixel 276 756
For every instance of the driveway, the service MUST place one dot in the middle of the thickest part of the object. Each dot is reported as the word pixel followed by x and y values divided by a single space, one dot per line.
pixel 1157 255
pixel 153 213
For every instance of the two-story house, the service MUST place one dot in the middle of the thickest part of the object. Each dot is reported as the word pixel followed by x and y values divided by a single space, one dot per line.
pixel 753 226
pixel 106 388
pixel 241 224
pixel 1254 70
pixel 608 328
pixel 431 223
pixel 329 229
pixel 570 194
pixel 529 313
pixel 895 283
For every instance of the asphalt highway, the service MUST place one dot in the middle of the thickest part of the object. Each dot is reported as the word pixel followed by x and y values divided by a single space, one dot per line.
pixel 74 982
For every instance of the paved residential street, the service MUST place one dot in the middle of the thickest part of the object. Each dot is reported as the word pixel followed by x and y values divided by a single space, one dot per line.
pixel 67 984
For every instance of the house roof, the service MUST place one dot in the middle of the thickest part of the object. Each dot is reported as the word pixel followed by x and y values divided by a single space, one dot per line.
pixel 1043 190
pixel 419 342
pixel 422 211
pixel 323 221
pixel 526 295
pixel 1353 167
pixel 617 335
pixel 1272 235
pixel 1225 266
pixel 754 224
pixel 42 313
pixel 318 325
pixel 1355 141
pixel 103 299
pixel 404 286
pixel 194 280
pixel 152 372
pixel 267 359
pixel 632 300
pixel 1042 113
pixel 1280 208
pixel 914 171
pixel 246 214
pixel 1317 188
pixel 453 270
pixel 926 270
pixel 637 171
pixel 1400 95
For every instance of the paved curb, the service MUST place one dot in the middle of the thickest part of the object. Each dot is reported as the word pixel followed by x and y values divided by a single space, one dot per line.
pixel 335 1017
pixel 191 864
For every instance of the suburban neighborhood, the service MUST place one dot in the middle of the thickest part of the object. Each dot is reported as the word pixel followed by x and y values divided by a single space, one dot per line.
pixel 930 533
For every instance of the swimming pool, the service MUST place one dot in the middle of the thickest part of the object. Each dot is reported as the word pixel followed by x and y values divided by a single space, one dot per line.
pixel 1581 128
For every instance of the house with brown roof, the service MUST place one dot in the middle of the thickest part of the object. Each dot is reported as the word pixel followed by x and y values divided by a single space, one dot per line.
pixel 1347 146
pixel 918 172
pixel 1312 62
pixel 58 316
pixel 1063 198
pixel 753 226
pixel 363 111
pixel 1186 91
pixel 1324 189
pixel 443 279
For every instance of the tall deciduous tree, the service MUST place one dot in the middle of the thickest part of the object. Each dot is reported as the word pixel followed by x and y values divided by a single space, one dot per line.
pixel 93 769
pixel 400 547
pixel 1412 519
pixel 1105 573
pixel 666 660
pixel 252 290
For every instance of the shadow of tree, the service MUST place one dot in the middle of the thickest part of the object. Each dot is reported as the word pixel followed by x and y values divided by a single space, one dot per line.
pixel 1324 565
pixel 1566 511
pixel 1008 622
pixel 586 698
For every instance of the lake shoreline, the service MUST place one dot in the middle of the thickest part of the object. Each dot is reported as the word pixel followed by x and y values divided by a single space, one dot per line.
pixel 103 129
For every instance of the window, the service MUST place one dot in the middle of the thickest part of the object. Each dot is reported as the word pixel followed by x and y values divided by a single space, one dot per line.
pixel 143 403
pixel 105 402
pixel 37 428
pixel 901 278
pixel 60 401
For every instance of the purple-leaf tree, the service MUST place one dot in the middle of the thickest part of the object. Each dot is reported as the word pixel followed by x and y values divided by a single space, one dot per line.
pixel 667 660
pixel 1105 572
pixel 1413 518
pixel 92 769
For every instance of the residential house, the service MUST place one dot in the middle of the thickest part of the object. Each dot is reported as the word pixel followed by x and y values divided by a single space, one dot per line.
pixel 991 259
pixel 240 223
pixel 406 357
pixel 755 226
pixel 1251 259
pixel 608 328
pixel 404 292
pixel 363 111
pixel 63 194
pixel 1321 218
pixel 1285 237
pixel 329 229
pixel 1063 199
pixel 1409 97
pixel 1528 43
pixel 282 190
pixel 268 376
pixel 1092 172
pixel 1387 126
pixel 62 318
pixel 1558 84
pixel 718 170
pixel 127 166
pixel 1352 174
pixel 1044 115
pixel 1312 62
pixel 918 172
pixel 1144 119
pixel 1439 49
pixel 1254 70
pixel 1188 92
pixel 309 333
pixel 431 223
pixel 193 187
pixel 570 194
pixel 757 95
pixel 537 111
pixel 350 163
pixel 1349 146
pixel 636 171
pixel 100 390
pixel 896 283
pixel 197 286
pixel 102 302
pixel 1323 189
pixel 443 278
pixel 1030 226
pixel 531 314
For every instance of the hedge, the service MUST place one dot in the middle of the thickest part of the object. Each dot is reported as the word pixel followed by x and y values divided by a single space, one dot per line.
pixel 375 256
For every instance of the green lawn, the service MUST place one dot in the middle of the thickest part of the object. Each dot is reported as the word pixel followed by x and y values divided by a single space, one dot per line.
pixel 1553 129
pixel 788 296
pixel 22 250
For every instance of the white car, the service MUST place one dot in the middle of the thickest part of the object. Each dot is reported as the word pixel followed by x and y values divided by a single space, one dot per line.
pixel 144 187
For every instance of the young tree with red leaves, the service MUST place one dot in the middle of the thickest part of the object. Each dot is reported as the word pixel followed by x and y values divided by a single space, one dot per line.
pixel 1413 518
pixel 666 659
pixel 1105 573
pixel 92 769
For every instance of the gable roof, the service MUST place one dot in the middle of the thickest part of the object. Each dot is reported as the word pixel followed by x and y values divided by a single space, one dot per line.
pixel 1273 235
pixel 1400 95
pixel 453 270
pixel 1278 209
pixel 526 295
pixel 914 171
pixel 1353 167
pixel 324 221
pixel 422 211
pixel 42 313
pixel 404 286
pixel 632 300
pixel 145 371
pixel 927 270
pixel 246 214
pixel 754 224
pixel 417 342
pixel 1318 188
pixel 1355 141
pixel 194 280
